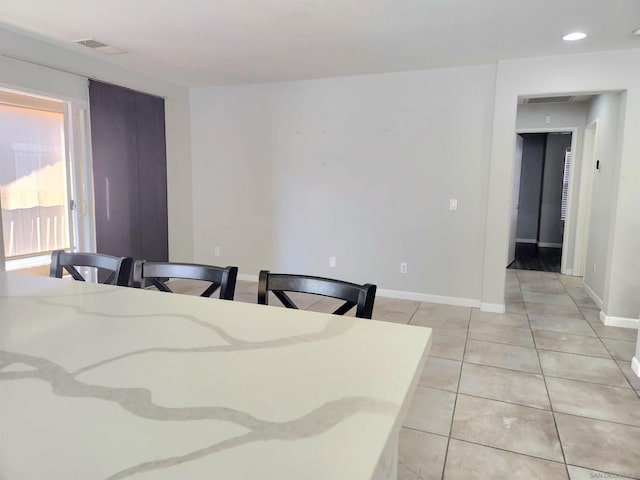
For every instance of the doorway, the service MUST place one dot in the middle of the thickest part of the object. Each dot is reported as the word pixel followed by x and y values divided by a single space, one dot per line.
pixel 541 200
pixel 35 180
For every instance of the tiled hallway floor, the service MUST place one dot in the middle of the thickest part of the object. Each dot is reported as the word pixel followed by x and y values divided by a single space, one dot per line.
pixel 544 391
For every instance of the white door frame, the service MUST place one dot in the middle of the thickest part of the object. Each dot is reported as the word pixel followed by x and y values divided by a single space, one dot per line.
pixel 515 202
pixel 567 241
pixel 584 206
pixel 78 169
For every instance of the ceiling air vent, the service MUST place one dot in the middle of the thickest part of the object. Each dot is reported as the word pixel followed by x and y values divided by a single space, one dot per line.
pixel 99 46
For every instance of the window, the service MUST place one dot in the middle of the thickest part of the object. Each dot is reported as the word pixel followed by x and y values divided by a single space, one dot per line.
pixel 33 176
pixel 565 184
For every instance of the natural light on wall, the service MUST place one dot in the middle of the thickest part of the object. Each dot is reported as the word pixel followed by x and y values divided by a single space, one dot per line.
pixel 33 178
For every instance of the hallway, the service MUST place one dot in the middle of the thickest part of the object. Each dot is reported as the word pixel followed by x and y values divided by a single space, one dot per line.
pixel 542 259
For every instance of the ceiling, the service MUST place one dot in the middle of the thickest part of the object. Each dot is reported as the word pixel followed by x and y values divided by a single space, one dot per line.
pixel 207 42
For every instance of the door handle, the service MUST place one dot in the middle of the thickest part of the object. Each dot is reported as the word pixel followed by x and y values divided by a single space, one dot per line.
pixel 107 198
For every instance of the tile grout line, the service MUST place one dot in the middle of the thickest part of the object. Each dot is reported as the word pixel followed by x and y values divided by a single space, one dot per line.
pixel 455 403
pixel 544 376
pixel 610 357
pixel 507 402
pixel 540 373
pixel 573 353
pixel 606 347
pixel 546 387
pixel 580 416
pixel 588 382
pixel 413 315
pixel 608 474
pixel 614 358
pixel 512 452
pixel 549 410
pixel 498 343
pixel 507 368
pixel 597 420
pixel 574 302
pixel 509 451
pixel 596 334
pixel 422 431
pixel 625 377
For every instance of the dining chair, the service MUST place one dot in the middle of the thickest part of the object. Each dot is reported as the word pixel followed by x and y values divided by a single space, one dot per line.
pixel 157 273
pixel 116 269
pixel 354 295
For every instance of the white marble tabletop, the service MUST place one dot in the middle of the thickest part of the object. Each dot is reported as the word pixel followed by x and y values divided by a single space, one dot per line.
pixel 104 382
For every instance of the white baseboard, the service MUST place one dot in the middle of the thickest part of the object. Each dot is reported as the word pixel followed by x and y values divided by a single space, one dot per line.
pixel 623 322
pixel 426 297
pixel 635 366
pixel 493 307
pixel 421 297
pixel 567 271
pixel 592 294
pixel 526 240
pixel 245 277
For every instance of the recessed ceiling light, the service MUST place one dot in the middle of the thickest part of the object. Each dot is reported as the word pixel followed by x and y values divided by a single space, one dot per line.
pixel 572 37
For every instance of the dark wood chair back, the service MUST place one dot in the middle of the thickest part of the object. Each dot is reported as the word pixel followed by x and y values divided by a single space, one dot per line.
pixel 354 295
pixel 118 268
pixel 157 273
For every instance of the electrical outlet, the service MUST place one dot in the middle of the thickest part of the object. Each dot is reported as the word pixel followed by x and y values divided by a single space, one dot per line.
pixel 403 268
pixel 547 119
pixel 332 262
pixel 453 204
pixel 216 251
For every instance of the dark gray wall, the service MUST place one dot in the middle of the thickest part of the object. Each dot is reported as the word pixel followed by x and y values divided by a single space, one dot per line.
pixel 530 185
pixel 550 224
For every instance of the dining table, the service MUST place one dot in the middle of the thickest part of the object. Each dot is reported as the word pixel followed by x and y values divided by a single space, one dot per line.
pixel 107 382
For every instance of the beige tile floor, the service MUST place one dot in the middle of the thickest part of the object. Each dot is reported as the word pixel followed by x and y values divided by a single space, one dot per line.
pixel 544 391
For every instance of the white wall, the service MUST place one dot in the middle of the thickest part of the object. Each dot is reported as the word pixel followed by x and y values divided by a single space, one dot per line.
pixel 562 116
pixel 361 168
pixel 30 73
pixel 624 284
pixel 570 74
pixel 605 110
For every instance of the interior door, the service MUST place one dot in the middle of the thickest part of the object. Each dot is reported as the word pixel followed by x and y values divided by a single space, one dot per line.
pixel 515 200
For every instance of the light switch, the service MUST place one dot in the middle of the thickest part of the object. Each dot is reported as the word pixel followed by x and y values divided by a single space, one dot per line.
pixel 453 204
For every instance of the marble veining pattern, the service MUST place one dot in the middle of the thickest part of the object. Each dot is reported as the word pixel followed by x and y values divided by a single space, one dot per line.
pixel 35 309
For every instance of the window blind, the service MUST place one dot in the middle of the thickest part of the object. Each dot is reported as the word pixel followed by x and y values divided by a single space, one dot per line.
pixel 565 184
